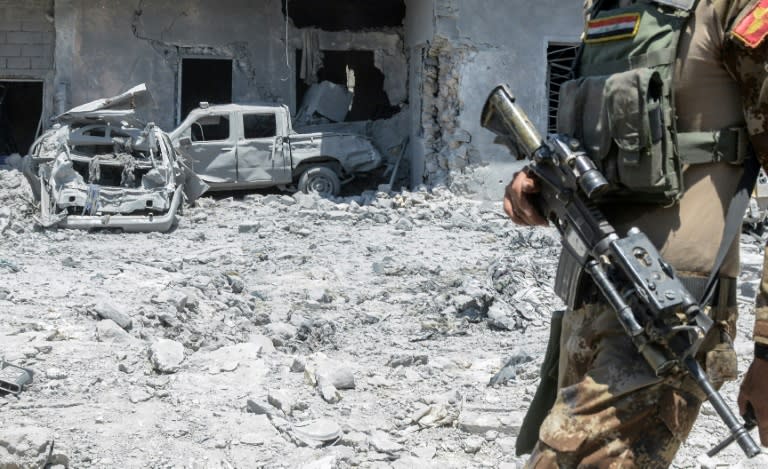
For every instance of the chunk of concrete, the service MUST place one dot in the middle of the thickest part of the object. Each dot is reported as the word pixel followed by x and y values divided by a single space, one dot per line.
pixel 166 356
pixel 108 331
pixel 109 311
pixel 327 99
pixel 478 422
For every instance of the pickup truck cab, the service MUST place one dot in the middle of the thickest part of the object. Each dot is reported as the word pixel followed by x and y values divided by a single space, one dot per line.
pixel 235 146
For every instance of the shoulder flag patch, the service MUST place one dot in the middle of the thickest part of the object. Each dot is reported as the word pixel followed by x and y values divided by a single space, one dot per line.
pixel 753 27
pixel 613 28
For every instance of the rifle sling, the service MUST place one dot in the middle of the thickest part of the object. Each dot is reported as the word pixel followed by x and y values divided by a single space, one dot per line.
pixel 733 221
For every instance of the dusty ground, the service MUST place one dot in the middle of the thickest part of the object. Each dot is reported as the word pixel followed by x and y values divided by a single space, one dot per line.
pixel 263 326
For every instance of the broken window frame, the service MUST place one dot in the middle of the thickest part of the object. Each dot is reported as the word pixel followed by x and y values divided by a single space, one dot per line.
pixel 273 129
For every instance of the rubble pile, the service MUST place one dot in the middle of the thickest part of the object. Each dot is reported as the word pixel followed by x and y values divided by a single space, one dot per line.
pixel 16 204
pixel 286 331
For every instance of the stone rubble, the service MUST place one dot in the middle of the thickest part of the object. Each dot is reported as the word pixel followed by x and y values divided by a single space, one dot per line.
pixel 287 331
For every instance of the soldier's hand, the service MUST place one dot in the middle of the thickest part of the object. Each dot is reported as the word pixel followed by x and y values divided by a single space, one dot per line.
pixel 517 200
pixel 752 394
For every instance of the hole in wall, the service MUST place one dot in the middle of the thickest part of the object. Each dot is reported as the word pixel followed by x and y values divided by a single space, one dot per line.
pixel 346 15
pixel 356 71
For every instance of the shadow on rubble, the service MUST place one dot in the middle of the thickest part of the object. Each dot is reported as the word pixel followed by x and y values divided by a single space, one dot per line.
pixel 362 183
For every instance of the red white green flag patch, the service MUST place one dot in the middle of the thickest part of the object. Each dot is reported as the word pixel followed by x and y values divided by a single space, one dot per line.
pixel 613 28
pixel 753 28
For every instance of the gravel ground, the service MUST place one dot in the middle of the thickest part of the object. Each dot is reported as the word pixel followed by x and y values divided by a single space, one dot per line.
pixel 279 331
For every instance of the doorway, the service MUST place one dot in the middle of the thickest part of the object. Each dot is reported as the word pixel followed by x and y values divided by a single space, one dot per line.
pixel 21 107
pixel 208 80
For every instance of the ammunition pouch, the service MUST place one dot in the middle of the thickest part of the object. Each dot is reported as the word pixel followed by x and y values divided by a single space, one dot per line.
pixel 621 108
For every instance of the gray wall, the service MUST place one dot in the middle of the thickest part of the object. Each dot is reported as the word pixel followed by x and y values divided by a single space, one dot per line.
pixel 511 38
pixel 109 46
pixel 27 42
pixel 475 46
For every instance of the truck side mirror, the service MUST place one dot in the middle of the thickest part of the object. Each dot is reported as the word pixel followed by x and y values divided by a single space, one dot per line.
pixel 185 141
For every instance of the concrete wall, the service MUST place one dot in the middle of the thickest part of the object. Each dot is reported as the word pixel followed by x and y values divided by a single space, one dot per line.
pixel 111 46
pixel 513 55
pixel 476 46
pixel 105 47
pixel 27 43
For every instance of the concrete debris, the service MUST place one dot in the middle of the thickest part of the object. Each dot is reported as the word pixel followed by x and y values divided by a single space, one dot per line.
pixel 329 393
pixel 56 374
pixel 325 100
pixel 509 371
pixel 336 375
pixel 438 415
pixel 383 443
pixel 317 433
pixel 282 400
pixel 354 323
pixel 407 360
pixel 258 407
pixel 502 316
pixel 479 422
pixel 110 311
pixel 473 444
pixel 166 356
pixel 29 447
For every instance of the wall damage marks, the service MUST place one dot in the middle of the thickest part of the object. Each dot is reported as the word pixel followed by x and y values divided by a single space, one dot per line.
pixel 101 167
pixel 448 151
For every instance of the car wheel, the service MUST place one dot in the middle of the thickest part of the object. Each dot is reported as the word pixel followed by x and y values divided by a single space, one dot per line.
pixel 320 180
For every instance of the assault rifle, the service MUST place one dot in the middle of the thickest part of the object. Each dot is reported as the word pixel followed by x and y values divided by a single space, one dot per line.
pixel 664 321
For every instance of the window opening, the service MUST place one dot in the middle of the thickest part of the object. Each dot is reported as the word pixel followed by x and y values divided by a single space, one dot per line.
pixel 208 80
pixel 560 58
pixel 259 126
pixel 210 129
pixel 21 107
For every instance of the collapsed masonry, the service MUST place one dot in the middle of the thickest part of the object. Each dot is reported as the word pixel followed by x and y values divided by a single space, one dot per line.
pixel 418 69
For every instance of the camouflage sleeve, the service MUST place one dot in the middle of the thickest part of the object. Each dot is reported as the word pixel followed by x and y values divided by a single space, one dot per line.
pixel 745 53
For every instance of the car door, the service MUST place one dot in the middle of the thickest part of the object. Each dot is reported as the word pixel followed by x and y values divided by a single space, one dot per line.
pixel 213 147
pixel 262 155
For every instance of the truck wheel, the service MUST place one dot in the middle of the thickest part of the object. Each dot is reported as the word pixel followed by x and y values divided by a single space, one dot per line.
pixel 319 180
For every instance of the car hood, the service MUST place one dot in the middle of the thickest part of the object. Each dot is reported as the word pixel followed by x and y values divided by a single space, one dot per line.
pixel 115 109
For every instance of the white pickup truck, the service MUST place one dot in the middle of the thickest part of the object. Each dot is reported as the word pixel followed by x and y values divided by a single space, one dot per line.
pixel 236 146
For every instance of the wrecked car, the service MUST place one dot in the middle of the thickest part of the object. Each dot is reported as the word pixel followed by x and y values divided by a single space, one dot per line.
pixel 237 146
pixel 101 167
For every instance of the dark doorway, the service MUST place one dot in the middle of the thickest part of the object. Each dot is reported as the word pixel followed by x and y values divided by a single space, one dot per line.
pixel 21 106
pixel 208 80
pixel 349 15
pixel 355 70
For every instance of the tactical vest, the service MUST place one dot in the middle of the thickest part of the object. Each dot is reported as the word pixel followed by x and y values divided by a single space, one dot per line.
pixel 621 104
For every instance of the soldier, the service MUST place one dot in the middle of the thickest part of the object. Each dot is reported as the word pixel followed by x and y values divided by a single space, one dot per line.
pixel 611 410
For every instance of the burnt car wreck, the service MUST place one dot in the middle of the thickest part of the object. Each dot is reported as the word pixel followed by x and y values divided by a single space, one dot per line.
pixel 101 167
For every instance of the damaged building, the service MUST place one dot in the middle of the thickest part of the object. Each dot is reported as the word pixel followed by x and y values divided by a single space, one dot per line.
pixel 412 74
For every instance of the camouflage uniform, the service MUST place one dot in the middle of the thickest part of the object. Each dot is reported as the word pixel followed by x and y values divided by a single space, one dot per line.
pixel 611 410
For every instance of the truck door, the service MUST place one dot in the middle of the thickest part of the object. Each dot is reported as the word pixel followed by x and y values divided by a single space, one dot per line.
pixel 262 155
pixel 213 148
